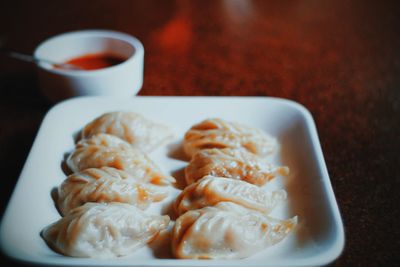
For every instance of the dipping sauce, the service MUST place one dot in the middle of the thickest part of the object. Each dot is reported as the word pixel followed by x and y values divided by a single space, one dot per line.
pixel 96 61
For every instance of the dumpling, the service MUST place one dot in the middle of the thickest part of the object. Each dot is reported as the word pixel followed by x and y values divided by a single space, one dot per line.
pixel 211 190
pixel 102 139
pixel 106 185
pixel 217 133
pixel 103 230
pixel 140 132
pixel 133 161
pixel 232 163
pixel 226 231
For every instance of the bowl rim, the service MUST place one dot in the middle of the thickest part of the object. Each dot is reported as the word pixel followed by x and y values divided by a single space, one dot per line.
pixel 135 43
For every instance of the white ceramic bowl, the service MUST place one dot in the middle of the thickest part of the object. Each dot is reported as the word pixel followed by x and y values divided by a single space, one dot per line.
pixel 124 79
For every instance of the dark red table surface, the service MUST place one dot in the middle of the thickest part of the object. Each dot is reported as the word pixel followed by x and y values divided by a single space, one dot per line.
pixel 341 59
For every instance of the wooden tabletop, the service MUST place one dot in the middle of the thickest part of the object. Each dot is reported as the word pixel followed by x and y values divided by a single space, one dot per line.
pixel 340 59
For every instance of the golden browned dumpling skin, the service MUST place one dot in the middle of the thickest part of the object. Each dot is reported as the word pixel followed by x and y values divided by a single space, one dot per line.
pixel 135 129
pixel 131 160
pixel 103 230
pixel 211 190
pixel 106 185
pixel 218 133
pixel 232 163
pixel 226 231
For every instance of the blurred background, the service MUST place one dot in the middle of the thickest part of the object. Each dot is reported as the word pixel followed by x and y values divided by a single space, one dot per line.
pixel 341 59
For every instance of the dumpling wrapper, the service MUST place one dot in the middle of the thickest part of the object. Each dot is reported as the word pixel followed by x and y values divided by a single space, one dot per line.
pixel 133 161
pixel 218 133
pixel 103 230
pixel 232 163
pixel 211 190
pixel 106 185
pixel 135 129
pixel 226 231
pixel 102 139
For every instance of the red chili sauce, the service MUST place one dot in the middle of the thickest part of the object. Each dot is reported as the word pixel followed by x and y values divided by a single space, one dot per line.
pixel 96 61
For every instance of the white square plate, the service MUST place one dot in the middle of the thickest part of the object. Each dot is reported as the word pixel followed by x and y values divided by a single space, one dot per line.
pixel 318 239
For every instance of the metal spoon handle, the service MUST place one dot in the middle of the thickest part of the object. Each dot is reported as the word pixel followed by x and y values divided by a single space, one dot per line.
pixel 23 57
pixel 32 59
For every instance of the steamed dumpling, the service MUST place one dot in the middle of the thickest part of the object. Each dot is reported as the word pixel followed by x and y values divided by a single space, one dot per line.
pixel 103 230
pixel 211 190
pixel 135 129
pixel 131 160
pixel 226 231
pixel 232 163
pixel 106 185
pixel 217 133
